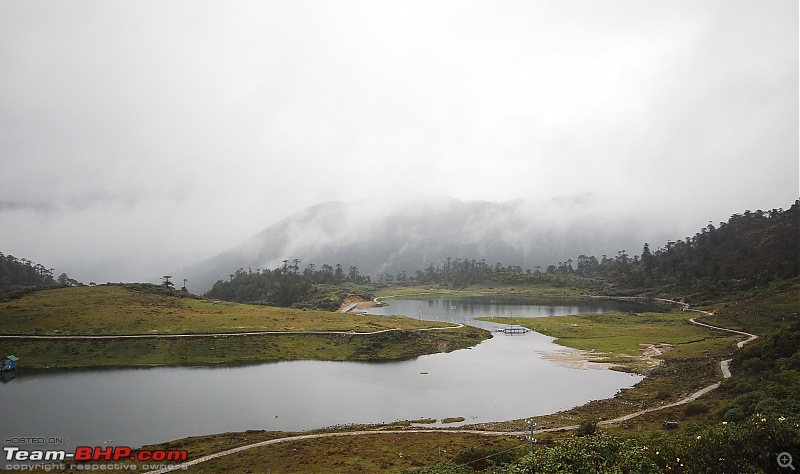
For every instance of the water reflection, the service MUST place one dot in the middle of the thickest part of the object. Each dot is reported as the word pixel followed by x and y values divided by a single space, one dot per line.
pixel 464 309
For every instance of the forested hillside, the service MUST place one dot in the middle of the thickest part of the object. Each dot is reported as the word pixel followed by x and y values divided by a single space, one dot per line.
pixel 749 249
pixel 23 272
pixel 321 288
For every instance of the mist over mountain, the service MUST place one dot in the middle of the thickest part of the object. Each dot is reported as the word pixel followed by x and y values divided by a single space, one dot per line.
pixel 379 237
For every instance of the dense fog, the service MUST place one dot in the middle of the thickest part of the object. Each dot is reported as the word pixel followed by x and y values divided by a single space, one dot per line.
pixel 138 138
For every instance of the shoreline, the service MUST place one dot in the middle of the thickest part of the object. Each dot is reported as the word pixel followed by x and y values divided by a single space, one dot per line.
pixel 571 356
pixel 578 359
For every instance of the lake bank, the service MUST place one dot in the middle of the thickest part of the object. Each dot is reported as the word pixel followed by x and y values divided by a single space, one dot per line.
pixel 167 331
pixel 237 350
pixel 499 379
pixel 416 445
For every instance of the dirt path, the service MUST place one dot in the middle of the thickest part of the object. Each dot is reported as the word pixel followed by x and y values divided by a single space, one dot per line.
pixel 724 368
pixel 750 337
pixel 218 334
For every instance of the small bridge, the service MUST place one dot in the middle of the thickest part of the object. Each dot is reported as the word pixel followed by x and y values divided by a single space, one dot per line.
pixel 514 330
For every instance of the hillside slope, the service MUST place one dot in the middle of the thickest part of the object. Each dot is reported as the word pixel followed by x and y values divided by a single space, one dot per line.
pixel 385 238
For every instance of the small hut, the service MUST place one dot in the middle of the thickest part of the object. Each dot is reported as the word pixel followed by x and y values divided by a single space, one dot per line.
pixel 8 363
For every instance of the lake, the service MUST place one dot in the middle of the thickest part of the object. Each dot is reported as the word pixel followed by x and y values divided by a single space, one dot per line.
pixel 463 309
pixel 505 377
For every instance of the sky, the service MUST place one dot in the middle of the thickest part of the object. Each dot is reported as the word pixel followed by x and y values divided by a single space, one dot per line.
pixel 140 137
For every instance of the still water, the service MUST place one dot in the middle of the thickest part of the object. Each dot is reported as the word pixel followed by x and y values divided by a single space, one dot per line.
pixel 505 377
pixel 463 309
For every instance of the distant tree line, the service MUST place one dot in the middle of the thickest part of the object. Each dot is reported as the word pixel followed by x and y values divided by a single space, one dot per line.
pixel 23 272
pixel 457 272
pixel 287 285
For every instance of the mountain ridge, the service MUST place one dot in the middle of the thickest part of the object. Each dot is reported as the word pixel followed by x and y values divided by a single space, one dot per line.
pixel 379 237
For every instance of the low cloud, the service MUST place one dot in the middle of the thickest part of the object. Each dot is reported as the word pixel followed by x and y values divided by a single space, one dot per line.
pixel 138 136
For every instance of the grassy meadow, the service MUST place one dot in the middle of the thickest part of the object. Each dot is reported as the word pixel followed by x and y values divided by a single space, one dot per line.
pixel 116 310
pixel 622 338
pixel 150 352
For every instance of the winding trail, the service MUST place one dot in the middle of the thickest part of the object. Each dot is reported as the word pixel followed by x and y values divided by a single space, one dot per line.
pixel 724 368
pixel 740 344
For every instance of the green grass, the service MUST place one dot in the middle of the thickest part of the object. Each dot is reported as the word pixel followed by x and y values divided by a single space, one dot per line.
pixel 621 337
pixel 761 310
pixel 379 452
pixel 454 419
pixel 398 345
pixel 115 310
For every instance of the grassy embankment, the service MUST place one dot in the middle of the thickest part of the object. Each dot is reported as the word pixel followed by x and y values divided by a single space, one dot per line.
pixel 116 310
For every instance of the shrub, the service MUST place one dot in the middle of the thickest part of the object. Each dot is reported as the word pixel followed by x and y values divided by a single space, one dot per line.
pixel 696 408
pixel 749 446
pixel 480 459
pixel 586 428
